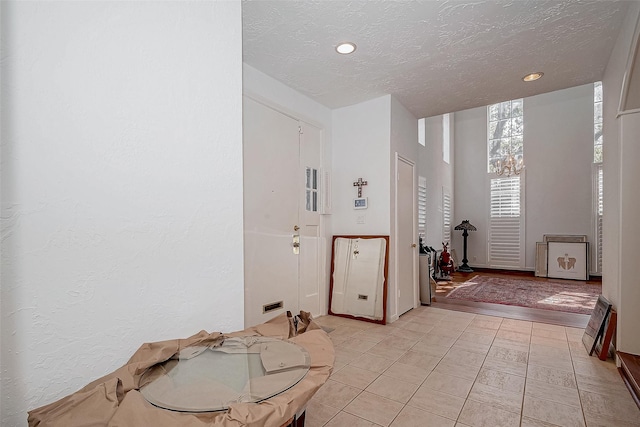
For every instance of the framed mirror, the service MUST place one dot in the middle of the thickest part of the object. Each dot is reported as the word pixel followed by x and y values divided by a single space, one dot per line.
pixel 359 269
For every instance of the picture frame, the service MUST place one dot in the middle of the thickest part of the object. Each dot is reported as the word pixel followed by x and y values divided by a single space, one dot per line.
pixel 568 260
pixel 360 203
pixel 564 238
pixel 596 325
pixel 541 259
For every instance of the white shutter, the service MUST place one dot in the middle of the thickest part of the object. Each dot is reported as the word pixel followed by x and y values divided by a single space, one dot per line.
pixel 505 223
pixel 422 206
pixel 599 212
pixel 446 216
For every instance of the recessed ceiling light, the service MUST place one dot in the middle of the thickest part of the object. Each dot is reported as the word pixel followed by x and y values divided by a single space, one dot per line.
pixel 533 76
pixel 346 48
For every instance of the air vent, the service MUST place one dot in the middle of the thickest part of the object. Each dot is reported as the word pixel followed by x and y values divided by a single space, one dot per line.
pixel 272 306
pixel 364 297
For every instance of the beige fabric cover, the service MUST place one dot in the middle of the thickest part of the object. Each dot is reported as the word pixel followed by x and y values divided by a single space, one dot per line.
pixel 114 400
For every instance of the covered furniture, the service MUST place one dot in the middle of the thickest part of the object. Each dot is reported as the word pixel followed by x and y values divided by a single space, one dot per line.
pixel 116 400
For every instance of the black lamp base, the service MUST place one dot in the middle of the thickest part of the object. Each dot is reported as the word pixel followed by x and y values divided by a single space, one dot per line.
pixel 464 268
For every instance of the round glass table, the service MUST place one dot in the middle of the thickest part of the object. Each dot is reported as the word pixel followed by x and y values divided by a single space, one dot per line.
pixel 242 369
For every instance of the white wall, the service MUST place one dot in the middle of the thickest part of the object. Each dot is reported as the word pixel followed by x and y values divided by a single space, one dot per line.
pixel 611 90
pixel 121 186
pixel 629 315
pixel 261 86
pixel 439 174
pixel 621 199
pixel 558 152
pixel 404 142
pixel 361 149
pixel 558 132
pixel 471 169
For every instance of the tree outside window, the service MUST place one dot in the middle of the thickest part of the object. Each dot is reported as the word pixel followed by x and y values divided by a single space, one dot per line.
pixel 505 131
pixel 597 122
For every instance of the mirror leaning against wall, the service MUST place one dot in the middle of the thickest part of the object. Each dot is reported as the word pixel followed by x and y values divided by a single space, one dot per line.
pixel 359 269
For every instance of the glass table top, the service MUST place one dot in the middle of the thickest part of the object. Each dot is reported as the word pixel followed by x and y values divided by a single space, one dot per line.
pixel 244 369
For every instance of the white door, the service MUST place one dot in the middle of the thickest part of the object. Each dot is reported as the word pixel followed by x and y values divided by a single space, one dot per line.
pixel 310 270
pixel 280 235
pixel 406 235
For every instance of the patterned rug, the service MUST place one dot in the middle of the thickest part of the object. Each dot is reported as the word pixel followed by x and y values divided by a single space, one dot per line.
pixel 549 295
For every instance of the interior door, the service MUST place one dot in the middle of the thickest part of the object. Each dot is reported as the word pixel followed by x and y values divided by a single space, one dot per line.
pixel 271 183
pixel 310 271
pixel 406 235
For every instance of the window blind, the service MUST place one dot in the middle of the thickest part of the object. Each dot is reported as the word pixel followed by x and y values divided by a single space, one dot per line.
pixel 505 222
pixel 446 216
pixel 599 212
pixel 422 206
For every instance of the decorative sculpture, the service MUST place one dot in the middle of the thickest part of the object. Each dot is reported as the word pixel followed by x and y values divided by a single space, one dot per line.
pixel 445 262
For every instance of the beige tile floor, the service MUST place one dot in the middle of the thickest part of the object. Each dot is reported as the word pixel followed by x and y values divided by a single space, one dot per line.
pixel 441 368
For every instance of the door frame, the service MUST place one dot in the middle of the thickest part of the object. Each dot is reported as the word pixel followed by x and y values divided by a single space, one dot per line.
pixel 399 158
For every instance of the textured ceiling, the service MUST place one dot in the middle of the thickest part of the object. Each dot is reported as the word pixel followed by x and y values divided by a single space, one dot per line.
pixel 433 56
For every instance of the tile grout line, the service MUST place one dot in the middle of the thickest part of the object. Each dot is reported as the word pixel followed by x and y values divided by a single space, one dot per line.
pixel 575 377
pixel 526 376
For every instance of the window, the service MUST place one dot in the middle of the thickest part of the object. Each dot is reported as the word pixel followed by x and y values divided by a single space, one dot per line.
pixel 598 214
pixel 597 172
pixel 446 138
pixel 311 189
pixel 421 132
pixel 446 216
pixel 597 122
pixel 505 132
pixel 505 137
pixel 506 222
pixel 422 206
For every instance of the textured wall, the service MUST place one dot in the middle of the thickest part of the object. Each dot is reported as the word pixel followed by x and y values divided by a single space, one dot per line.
pixel 121 186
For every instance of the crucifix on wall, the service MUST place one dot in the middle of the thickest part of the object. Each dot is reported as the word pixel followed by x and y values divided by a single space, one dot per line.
pixel 360 202
pixel 359 183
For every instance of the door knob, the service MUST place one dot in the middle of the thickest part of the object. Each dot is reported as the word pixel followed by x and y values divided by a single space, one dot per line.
pixel 414 245
pixel 296 228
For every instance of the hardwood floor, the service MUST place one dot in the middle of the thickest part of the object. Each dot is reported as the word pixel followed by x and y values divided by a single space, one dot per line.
pixel 509 311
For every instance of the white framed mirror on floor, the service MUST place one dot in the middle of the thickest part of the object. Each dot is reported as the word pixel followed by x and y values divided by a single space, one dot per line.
pixel 359 270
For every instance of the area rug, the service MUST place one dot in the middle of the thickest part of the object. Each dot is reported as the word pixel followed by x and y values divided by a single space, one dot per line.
pixel 549 295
